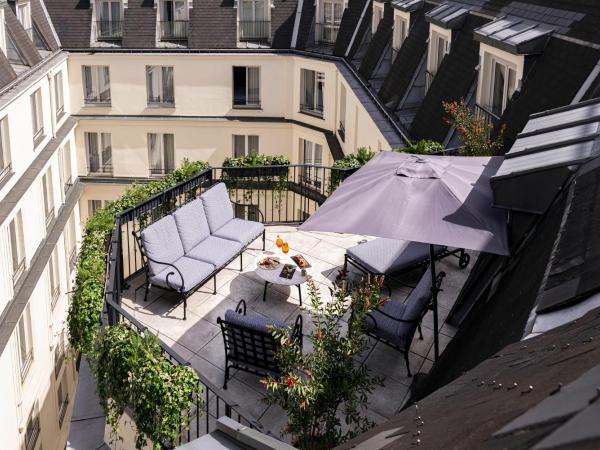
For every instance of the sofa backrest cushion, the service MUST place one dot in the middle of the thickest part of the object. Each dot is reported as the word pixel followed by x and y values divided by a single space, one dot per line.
pixel 217 206
pixel 162 243
pixel 418 298
pixel 191 224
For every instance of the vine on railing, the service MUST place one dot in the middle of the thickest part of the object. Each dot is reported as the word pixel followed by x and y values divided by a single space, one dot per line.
pixel 130 368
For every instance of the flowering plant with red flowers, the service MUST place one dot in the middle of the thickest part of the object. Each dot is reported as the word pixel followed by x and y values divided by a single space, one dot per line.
pixel 321 389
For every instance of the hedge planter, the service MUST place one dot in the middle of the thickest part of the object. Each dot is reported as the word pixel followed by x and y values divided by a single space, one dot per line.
pixel 256 172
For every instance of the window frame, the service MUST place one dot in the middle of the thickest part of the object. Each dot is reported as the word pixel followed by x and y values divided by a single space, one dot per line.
pixel 309 105
pixel 26 19
pixel 401 30
pixel 37 116
pixel 311 174
pixel 248 96
pixel 247 145
pixel 54 278
pixel 17 247
pixel 104 165
pixel 48 196
pixel 377 18
pixel 95 99
pixel 163 100
pixel 161 139
pixel 33 428
pixel 59 96
pixel 5 154
pixel 62 396
pixel 25 333
pixel 506 95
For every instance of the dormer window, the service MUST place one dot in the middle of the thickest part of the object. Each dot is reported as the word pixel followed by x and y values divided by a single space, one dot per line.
pixel 109 19
pixel 174 18
pixel 377 16
pixel 253 20
pixel 24 15
pixel 329 16
pixel 439 47
pixel 401 24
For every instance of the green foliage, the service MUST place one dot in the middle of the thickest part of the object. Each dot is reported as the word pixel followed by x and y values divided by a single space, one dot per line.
pixel 362 156
pixel 315 387
pixel 88 295
pixel 254 159
pixel 130 369
pixel 422 147
pixel 131 372
pixel 474 131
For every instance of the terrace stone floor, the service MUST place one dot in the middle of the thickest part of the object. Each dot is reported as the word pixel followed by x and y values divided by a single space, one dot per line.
pixel 198 339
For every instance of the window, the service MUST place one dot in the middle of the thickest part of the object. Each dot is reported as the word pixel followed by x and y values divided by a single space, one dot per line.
pixel 311 94
pixel 25 339
pixel 47 189
pixel 59 98
pixel 96 85
pixel 330 18
pixel 93 206
pixel 62 393
pixel 37 119
pixel 64 161
pixel 59 354
pixel 99 153
pixel 311 155
pixel 53 275
pixel 71 242
pixel 244 145
pixel 13 54
pixel 342 128
pixel 38 40
pixel 5 164
pixel 253 20
pixel 439 46
pixel 400 34
pixel 109 22
pixel 377 16
pixel 502 86
pixel 32 432
pixel 17 246
pixel 161 153
pixel 24 16
pixel 159 83
pixel 174 19
pixel 246 87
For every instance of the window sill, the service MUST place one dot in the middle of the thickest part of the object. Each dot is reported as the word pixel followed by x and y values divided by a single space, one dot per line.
pixel 315 114
pixel 90 104
pixel 161 105
pixel 5 177
pixel 247 107
pixel 37 140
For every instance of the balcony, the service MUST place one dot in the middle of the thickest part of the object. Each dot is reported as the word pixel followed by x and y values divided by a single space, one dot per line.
pixel 174 30
pixel 489 119
pixel 197 341
pixel 326 33
pixel 254 30
pixel 109 30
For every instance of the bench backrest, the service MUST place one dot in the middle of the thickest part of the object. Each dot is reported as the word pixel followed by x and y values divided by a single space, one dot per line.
pixel 160 242
pixel 217 206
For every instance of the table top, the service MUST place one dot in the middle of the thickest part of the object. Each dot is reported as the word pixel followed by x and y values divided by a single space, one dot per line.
pixel 272 276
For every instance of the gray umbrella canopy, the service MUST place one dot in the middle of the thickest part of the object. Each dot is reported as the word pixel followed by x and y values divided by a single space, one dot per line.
pixel 443 200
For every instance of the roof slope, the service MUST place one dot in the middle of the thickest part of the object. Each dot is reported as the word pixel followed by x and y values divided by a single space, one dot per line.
pixel 381 39
pixel 350 21
pixel 72 20
pixel 139 30
pixel 307 19
pixel 213 24
pixel 454 77
pixel 42 21
pixel 21 38
pixel 283 15
pixel 468 413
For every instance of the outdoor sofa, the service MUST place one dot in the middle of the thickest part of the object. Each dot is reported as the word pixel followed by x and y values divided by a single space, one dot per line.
pixel 183 250
pixel 249 342
pixel 396 322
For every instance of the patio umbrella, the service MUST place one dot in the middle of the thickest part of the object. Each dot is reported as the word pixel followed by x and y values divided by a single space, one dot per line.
pixel 438 200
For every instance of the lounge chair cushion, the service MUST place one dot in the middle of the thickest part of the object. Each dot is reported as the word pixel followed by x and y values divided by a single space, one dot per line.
pixel 217 206
pixel 215 251
pixel 162 243
pixel 193 272
pixel 386 256
pixel 191 224
pixel 252 321
pixel 382 325
pixel 242 231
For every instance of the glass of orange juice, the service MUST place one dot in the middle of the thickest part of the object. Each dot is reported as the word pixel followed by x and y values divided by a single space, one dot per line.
pixel 279 242
pixel 285 247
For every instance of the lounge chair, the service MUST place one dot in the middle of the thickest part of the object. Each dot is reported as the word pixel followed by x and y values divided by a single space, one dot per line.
pixel 396 322
pixel 249 343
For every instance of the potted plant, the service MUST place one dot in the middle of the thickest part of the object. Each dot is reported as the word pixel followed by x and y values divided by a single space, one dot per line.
pixel 343 168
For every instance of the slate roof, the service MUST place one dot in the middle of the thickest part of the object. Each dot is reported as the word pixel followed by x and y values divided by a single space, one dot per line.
pixel 21 39
pixel 72 20
pixel 407 5
pixel 213 24
pixel 307 20
pixel 139 29
pixel 515 35
pixel 350 20
pixel 454 77
pixel 282 23
pixel 448 15
pixel 42 21
pixel 381 39
pixel 540 393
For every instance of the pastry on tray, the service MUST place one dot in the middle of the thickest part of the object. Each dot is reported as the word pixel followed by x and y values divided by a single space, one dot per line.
pixel 301 261
pixel 269 263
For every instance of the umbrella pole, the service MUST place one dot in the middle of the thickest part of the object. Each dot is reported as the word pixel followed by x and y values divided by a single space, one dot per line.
pixel 434 293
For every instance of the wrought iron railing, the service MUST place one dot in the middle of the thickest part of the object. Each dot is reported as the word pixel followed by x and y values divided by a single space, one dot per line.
pixel 18 271
pixel 282 194
pixel 326 33
pixel 109 29
pixel 254 30
pixel 159 171
pixel 489 119
pixel 312 109
pixel 5 170
pixel 174 29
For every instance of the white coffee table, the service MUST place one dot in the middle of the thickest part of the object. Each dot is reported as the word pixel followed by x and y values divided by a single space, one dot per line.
pixel 271 276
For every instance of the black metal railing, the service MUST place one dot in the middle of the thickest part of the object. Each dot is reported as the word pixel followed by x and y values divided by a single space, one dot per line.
pixel 59 357
pixel 32 433
pixel 49 217
pixel 109 30
pixel 63 411
pixel 490 120
pixel 342 131
pixel 161 101
pixel 312 109
pixel 254 30
pixel 72 258
pixel 105 169
pixel 174 29
pixel 326 33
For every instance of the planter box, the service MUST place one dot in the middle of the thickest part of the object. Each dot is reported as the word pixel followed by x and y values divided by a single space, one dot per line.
pixel 255 172
pixel 342 174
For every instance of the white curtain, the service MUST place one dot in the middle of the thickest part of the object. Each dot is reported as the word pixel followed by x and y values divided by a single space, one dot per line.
pixel 91 142
pixel 154 157
pixel 253 144
pixel 167 84
pixel 104 83
pixel 239 145
pixel 253 80
pixel 169 152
